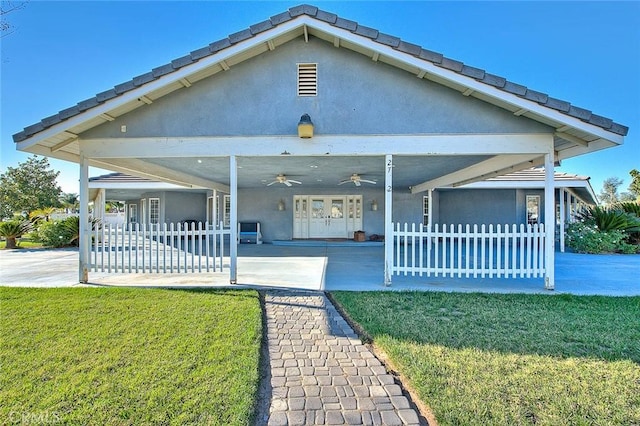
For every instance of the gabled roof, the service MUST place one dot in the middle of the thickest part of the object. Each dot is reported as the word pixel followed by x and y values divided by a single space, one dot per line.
pixel 62 128
pixel 534 178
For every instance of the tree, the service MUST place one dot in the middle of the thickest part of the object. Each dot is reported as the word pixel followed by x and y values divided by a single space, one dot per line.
pixel 7 7
pixel 30 186
pixel 634 187
pixel 69 201
pixel 609 194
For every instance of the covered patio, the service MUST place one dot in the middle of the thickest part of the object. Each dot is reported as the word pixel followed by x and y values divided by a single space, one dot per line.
pixel 329 268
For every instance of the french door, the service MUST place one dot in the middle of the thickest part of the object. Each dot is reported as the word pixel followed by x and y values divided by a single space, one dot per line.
pixel 327 216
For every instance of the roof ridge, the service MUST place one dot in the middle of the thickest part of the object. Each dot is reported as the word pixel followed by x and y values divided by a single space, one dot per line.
pixel 334 20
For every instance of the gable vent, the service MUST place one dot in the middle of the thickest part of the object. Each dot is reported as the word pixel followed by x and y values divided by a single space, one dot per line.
pixel 307 79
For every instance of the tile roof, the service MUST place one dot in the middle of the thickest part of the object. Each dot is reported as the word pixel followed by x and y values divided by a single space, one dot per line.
pixel 331 19
pixel 537 174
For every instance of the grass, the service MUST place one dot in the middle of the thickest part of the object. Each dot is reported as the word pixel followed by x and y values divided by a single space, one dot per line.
pixel 478 359
pixel 23 243
pixel 128 356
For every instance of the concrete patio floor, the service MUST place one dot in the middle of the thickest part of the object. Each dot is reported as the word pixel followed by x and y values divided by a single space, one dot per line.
pixel 327 268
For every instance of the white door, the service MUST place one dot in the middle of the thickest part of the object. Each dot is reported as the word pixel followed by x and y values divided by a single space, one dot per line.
pixel 327 217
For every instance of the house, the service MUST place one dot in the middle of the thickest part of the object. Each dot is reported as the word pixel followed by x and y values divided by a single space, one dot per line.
pixel 311 113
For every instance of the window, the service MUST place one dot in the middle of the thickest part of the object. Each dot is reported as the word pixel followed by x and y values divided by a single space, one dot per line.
pixel 307 79
pixel 227 211
pixel 143 210
pixel 533 209
pixel 133 213
pixel 211 213
pixel 425 210
pixel 154 210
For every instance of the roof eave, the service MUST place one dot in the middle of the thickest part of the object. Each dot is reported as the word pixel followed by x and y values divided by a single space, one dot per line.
pixel 426 68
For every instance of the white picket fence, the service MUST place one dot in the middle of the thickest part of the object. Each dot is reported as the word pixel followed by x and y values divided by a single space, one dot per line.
pixel 509 251
pixel 157 248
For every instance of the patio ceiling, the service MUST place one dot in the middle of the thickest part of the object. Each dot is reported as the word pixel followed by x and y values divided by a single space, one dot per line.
pixel 318 172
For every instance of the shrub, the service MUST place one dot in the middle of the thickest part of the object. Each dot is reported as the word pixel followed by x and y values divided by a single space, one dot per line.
pixel 610 219
pixel 584 237
pixel 58 233
pixel 13 229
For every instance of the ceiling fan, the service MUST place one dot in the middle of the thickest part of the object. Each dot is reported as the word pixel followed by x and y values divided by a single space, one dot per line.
pixel 283 179
pixel 356 179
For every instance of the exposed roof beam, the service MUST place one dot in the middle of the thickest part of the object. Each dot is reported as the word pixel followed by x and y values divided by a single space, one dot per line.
pixel 571 138
pixel 499 162
pixel 224 65
pixel 336 42
pixel 72 139
pixel 145 99
pixel 107 117
pixel 185 82
pixel 564 129
pixel 468 92
pixel 306 33
pixel 421 74
pixel 375 56
pixel 520 112
pixel 162 173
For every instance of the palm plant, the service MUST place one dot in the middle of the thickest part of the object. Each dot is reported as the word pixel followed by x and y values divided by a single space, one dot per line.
pixel 69 201
pixel 610 219
pixel 42 214
pixel 13 229
pixel 632 207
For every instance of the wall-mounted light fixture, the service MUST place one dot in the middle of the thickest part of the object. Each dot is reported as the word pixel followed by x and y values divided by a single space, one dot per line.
pixel 281 205
pixel 305 127
pixel 374 206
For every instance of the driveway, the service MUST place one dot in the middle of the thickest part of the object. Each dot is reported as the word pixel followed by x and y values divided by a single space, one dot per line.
pixel 327 268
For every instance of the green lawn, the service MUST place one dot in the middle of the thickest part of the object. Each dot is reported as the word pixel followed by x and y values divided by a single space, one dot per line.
pixel 22 243
pixel 480 359
pixel 128 356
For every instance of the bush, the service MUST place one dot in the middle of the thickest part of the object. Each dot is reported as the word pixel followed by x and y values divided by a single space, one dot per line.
pixel 58 233
pixel 13 229
pixel 586 237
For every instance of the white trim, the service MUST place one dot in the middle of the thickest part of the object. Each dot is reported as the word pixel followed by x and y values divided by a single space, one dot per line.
pixel 418 144
pixel 134 185
pixel 475 171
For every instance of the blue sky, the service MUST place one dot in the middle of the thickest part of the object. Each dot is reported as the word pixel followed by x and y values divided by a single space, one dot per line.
pixel 587 53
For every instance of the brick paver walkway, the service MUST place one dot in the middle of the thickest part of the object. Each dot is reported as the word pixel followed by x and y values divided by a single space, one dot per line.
pixel 321 373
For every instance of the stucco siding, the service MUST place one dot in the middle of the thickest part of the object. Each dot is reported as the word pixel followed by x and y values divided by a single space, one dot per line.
pixel 355 96
pixel 479 206
pixel 181 206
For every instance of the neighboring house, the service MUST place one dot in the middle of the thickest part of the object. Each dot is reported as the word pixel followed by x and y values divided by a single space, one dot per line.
pixel 226 119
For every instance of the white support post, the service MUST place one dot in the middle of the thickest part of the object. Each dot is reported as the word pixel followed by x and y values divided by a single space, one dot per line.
pixel 388 219
pixel 561 202
pixel 100 205
pixel 430 212
pixel 233 225
pixel 549 219
pixel 83 239
pixel 215 205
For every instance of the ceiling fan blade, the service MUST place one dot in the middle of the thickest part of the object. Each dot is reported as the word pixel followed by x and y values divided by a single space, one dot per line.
pixel 294 181
pixel 286 182
pixel 344 181
pixel 357 182
pixel 368 181
pixel 269 184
